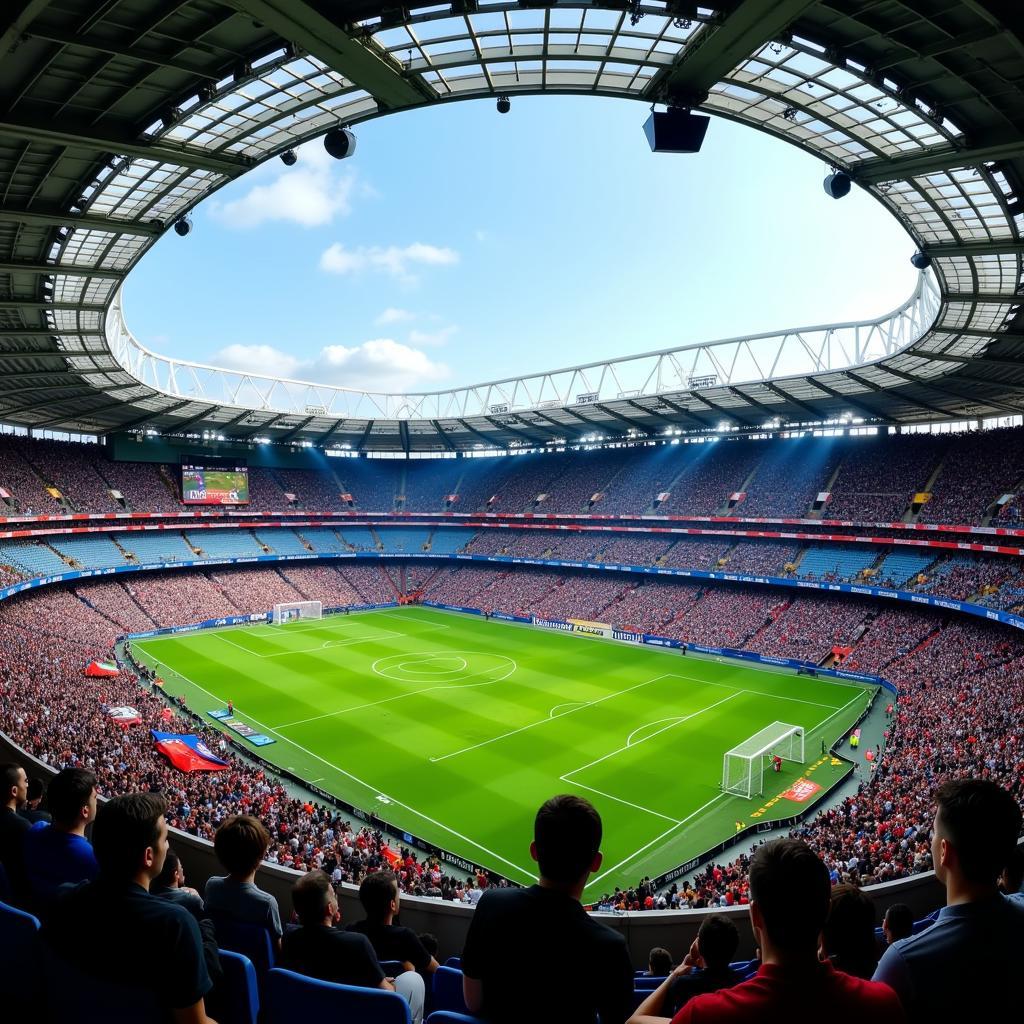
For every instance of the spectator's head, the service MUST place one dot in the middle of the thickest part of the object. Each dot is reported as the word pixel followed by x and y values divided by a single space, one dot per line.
pixel 429 943
pixel 315 900
pixel 848 937
pixel 172 876
pixel 72 798
pixel 659 963
pixel 240 843
pixel 1012 879
pixel 717 940
pixel 34 791
pixel 789 898
pixel 567 841
pixel 898 923
pixel 378 894
pixel 15 785
pixel 975 833
pixel 129 838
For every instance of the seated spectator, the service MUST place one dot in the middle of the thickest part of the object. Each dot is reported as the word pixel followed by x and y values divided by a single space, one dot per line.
pixel 848 938
pixel 32 812
pixel 380 896
pixel 789 904
pixel 59 854
pixel 429 943
pixel 965 963
pixel 705 968
pixel 240 843
pixel 1011 881
pixel 659 963
pixel 898 923
pixel 533 953
pixel 322 950
pixel 13 828
pixel 115 930
pixel 170 885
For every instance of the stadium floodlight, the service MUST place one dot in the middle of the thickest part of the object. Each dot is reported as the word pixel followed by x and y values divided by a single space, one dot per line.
pixel 340 143
pixel 837 184
pixel 504 104
pixel 289 157
pixel 743 766
pixel 293 610
pixel 920 261
pixel 182 226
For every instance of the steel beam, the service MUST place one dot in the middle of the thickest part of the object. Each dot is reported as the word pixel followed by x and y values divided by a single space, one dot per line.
pixel 87 222
pixel 56 269
pixel 871 172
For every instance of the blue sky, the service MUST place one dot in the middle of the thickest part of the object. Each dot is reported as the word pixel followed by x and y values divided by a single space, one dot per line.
pixel 460 246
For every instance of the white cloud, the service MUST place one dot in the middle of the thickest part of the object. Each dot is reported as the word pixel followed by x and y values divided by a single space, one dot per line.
pixel 311 193
pixel 391 315
pixel 393 259
pixel 381 364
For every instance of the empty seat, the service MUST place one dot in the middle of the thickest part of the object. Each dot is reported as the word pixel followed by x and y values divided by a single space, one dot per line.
pixel 293 997
pixel 447 990
pixel 236 999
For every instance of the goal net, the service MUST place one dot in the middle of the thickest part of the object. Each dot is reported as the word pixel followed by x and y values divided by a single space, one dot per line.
pixel 297 610
pixel 744 766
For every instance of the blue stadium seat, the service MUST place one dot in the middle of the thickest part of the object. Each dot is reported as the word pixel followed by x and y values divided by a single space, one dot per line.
pixel 251 940
pixel 236 1000
pixel 454 961
pixel 293 997
pixel 645 983
pixel 391 968
pixel 18 936
pixel 448 1017
pixel 447 991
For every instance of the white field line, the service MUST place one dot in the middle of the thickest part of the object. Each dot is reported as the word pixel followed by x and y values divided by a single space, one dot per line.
pixel 821 725
pixel 362 782
pixel 629 738
pixel 618 799
pixel 410 693
pixel 542 721
pixel 328 645
pixel 569 704
pixel 795 700
pixel 408 620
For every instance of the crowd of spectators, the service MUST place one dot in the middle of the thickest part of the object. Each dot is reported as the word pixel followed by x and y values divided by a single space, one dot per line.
pixel 711 475
pixel 790 476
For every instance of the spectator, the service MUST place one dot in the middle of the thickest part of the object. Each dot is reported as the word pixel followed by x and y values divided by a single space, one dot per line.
pixel 789 904
pixel 898 923
pixel 115 930
pixel 966 962
pixel 32 812
pixel 170 885
pixel 13 828
pixel 59 854
pixel 380 896
pixel 240 844
pixel 1011 881
pixel 659 963
pixel 429 943
pixel 323 951
pixel 533 953
pixel 848 938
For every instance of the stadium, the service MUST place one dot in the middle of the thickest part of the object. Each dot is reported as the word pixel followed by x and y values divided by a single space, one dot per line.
pixel 763 588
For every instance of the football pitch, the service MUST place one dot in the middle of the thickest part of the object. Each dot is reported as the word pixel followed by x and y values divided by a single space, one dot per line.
pixel 456 729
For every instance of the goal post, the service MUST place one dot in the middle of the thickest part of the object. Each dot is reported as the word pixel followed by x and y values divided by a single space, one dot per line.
pixel 743 767
pixel 293 610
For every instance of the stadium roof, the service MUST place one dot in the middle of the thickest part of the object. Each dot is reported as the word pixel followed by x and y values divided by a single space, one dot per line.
pixel 121 115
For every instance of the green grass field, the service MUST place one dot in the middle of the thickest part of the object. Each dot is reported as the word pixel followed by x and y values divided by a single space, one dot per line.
pixel 456 729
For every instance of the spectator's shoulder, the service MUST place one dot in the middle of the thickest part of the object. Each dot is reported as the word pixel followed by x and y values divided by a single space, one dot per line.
pixel 885 1003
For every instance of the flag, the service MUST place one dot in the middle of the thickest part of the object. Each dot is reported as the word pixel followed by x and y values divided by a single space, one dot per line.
pixel 101 669
pixel 391 857
pixel 187 753
pixel 124 715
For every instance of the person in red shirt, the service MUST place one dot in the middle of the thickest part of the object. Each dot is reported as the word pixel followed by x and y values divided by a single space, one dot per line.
pixel 790 893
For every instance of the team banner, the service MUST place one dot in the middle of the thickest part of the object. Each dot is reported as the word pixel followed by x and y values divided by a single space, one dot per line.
pixel 124 715
pixel 101 669
pixel 188 753
pixel 257 739
pixel 592 628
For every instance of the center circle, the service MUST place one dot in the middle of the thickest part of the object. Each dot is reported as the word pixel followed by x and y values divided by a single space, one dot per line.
pixel 451 667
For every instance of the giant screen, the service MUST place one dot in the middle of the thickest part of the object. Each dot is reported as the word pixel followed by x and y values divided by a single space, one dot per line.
pixel 205 485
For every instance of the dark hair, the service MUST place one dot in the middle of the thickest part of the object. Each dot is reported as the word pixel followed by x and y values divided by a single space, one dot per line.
pixel 125 827
pixel 35 788
pixel 240 843
pixel 567 831
pixel 791 887
pixel 429 942
pixel 1013 871
pixel 10 775
pixel 376 892
pixel 659 962
pixel 849 932
pixel 718 940
pixel 982 821
pixel 69 792
pixel 899 919
pixel 166 877
pixel 311 896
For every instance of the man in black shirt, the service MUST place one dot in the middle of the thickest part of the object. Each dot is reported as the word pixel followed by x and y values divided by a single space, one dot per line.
pixel 115 931
pixel 13 827
pixel 534 954
pixel 706 966
pixel 380 896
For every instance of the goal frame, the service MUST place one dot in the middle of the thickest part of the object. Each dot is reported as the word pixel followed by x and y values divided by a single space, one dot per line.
pixel 743 767
pixel 306 610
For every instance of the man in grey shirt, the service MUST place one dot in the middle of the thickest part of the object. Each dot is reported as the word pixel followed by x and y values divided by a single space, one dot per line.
pixel 965 966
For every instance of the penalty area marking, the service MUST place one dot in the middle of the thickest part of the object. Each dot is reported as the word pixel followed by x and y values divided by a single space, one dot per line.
pixel 569 704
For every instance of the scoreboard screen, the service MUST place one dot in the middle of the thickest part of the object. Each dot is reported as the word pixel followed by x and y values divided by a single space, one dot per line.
pixel 203 485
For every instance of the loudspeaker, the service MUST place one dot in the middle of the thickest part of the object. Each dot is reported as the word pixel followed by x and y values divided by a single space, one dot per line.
pixel 676 131
pixel 837 185
pixel 340 143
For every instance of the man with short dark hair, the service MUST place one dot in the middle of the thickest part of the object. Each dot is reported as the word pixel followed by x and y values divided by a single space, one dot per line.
pixel 967 962
pixel 790 892
pixel 59 854
pixel 1011 881
pixel 534 954
pixel 898 923
pixel 115 930
pixel 13 828
pixel 380 897
pixel 32 812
